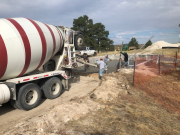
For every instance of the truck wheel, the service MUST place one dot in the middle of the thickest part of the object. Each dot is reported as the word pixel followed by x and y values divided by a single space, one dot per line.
pixel 52 88
pixel 15 104
pixel 95 53
pixel 29 97
pixel 75 65
pixel 79 42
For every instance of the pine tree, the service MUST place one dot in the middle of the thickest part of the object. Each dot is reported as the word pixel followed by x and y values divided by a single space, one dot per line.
pixel 133 42
pixel 95 35
pixel 148 44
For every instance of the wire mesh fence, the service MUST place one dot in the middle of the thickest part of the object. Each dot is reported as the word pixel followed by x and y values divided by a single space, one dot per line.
pixel 145 68
pixel 159 76
pixel 177 65
pixel 148 66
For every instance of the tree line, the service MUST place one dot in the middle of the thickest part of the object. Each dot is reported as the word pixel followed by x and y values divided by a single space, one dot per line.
pixel 134 43
pixel 96 36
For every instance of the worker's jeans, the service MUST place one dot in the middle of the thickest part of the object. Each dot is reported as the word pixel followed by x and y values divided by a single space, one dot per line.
pixel 106 66
pixel 126 64
pixel 101 72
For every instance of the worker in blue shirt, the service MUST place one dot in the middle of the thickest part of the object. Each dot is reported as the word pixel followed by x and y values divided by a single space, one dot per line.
pixel 106 61
pixel 101 68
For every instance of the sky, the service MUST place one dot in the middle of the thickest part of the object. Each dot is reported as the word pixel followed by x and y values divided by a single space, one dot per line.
pixel 123 19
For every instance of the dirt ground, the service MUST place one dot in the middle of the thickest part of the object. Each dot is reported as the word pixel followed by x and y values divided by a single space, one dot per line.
pixel 93 107
pixel 79 87
pixel 164 88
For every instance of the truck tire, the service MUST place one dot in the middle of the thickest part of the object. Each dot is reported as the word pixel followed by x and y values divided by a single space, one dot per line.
pixel 15 104
pixel 95 53
pixel 52 88
pixel 75 65
pixel 29 97
pixel 79 42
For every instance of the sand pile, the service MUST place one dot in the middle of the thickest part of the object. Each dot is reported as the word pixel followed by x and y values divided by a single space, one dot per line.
pixel 110 88
pixel 160 44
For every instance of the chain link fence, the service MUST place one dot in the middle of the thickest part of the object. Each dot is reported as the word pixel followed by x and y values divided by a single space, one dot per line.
pixel 148 66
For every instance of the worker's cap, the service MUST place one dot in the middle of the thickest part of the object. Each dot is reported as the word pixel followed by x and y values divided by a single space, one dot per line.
pixel 101 58
pixel 106 55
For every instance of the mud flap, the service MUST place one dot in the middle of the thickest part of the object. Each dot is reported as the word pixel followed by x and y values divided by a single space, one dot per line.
pixel 12 87
pixel 65 84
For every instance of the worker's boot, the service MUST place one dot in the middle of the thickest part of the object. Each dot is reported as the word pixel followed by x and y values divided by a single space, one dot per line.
pixel 100 77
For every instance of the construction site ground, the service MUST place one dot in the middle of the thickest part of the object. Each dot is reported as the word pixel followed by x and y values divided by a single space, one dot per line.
pixel 108 107
pixel 93 107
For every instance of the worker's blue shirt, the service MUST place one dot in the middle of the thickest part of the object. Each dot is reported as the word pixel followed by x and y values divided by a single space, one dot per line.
pixel 101 64
pixel 106 60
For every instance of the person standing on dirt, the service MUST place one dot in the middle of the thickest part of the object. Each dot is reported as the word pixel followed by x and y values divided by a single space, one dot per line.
pixel 86 59
pixel 106 61
pixel 125 58
pixel 101 68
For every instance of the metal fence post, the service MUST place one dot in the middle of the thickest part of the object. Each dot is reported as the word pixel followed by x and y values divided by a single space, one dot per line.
pixel 176 61
pixel 159 65
pixel 120 65
pixel 134 69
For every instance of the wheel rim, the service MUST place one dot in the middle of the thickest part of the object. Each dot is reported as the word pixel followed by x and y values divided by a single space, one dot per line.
pixel 80 41
pixel 31 97
pixel 55 88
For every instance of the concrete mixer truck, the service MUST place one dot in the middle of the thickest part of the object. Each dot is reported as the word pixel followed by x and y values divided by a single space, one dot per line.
pixel 35 60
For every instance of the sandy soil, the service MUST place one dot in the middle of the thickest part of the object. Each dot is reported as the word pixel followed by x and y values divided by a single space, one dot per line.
pixel 94 107
pixel 79 87
pixel 83 108
pixel 51 117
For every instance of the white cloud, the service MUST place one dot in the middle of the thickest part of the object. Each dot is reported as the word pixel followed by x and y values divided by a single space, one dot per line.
pixel 164 34
pixel 126 33
pixel 167 34
pixel 121 17
pixel 119 37
pixel 141 36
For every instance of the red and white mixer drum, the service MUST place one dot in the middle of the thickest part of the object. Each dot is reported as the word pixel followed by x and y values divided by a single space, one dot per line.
pixel 25 45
